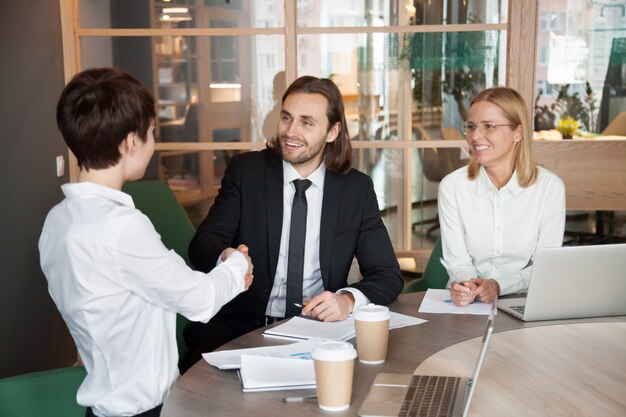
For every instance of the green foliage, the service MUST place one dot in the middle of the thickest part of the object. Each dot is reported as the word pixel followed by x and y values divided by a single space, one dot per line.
pixel 584 110
pixel 449 63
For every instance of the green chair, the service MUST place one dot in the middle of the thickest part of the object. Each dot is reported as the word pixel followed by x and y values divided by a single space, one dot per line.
pixel 158 202
pixel 435 275
pixel 47 393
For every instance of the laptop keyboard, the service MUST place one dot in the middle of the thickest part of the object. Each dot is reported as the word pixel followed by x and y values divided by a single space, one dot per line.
pixel 430 396
pixel 519 309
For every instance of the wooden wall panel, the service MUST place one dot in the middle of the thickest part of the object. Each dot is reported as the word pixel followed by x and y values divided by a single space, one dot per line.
pixel 594 171
pixel 522 48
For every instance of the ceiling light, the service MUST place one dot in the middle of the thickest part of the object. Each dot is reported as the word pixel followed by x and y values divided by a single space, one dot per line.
pixel 175 14
pixel 225 85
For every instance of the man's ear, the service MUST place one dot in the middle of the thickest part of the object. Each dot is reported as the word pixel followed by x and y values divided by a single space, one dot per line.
pixel 333 132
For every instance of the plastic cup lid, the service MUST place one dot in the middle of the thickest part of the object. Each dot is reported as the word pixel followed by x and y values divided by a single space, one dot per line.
pixel 372 312
pixel 334 351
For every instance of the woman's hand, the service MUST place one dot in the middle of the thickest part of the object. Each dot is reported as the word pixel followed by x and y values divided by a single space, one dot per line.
pixel 462 294
pixel 487 290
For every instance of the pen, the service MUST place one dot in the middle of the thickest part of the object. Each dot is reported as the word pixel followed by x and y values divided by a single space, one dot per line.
pixel 305 316
pixel 452 274
pixel 299 399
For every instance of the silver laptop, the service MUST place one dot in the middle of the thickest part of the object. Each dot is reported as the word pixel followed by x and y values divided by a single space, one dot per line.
pixel 424 395
pixel 573 282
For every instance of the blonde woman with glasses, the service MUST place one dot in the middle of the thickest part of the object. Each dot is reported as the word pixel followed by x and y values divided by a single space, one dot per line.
pixel 497 211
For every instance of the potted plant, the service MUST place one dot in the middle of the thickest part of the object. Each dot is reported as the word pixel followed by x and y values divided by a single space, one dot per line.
pixel 567 127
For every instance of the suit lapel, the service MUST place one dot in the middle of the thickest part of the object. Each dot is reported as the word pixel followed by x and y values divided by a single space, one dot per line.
pixel 330 212
pixel 274 194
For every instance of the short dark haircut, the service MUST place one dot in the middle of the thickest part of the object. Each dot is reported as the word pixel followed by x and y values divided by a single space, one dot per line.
pixel 97 110
pixel 337 154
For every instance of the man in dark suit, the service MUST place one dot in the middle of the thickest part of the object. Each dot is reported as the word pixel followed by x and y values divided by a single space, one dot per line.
pixel 254 208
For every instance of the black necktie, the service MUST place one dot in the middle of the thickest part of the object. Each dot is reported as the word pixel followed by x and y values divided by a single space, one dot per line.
pixel 295 260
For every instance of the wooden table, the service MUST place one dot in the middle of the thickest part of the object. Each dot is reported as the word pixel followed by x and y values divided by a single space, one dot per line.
pixel 205 390
pixel 576 369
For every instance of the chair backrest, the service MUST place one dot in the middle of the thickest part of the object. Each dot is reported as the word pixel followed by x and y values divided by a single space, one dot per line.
pixel 617 126
pixel 47 393
pixel 438 162
pixel 435 275
pixel 450 133
pixel 158 202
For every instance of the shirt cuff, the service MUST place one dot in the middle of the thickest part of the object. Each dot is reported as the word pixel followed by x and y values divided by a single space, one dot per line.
pixel 511 286
pixel 360 299
pixel 239 260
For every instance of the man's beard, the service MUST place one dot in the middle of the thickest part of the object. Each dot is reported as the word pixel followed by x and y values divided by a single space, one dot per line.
pixel 308 154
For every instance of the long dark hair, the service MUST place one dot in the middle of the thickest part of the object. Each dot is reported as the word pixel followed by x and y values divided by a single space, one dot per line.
pixel 338 153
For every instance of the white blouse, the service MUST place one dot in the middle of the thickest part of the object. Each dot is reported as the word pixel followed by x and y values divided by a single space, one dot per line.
pixel 118 289
pixel 491 233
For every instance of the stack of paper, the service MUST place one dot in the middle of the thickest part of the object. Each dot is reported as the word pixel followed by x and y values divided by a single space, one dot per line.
pixel 231 359
pixel 273 368
pixel 300 328
pixel 262 373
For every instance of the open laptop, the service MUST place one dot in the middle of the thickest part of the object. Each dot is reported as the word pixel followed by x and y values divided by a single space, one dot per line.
pixel 406 395
pixel 573 282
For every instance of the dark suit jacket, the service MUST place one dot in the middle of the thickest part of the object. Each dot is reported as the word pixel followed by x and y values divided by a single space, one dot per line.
pixel 249 210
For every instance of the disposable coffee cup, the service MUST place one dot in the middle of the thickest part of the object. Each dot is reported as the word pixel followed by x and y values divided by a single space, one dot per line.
pixel 334 368
pixel 371 323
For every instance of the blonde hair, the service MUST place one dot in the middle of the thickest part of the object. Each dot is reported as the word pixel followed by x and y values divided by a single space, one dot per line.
pixel 516 112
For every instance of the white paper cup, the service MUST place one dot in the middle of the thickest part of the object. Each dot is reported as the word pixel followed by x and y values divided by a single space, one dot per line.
pixel 334 368
pixel 371 323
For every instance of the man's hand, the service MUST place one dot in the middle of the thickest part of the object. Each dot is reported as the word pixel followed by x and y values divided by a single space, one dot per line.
pixel 248 278
pixel 329 306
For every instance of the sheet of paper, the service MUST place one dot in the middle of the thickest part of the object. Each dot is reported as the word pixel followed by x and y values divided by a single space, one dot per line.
pixel 402 320
pixel 438 301
pixel 262 373
pixel 231 359
pixel 299 328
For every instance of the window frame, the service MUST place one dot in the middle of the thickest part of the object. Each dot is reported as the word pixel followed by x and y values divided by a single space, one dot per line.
pixel 521 33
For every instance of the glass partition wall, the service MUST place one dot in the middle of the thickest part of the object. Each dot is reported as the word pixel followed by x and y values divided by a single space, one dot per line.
pixel 581 67
pixel 406 69
pixel 580 77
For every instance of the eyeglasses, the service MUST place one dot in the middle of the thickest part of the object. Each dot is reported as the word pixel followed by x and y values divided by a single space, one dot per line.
pixel 469 128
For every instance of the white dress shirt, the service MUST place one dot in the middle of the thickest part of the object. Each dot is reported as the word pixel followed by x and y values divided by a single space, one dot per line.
pixel 312 284
pixel 119 289
pixel 491 233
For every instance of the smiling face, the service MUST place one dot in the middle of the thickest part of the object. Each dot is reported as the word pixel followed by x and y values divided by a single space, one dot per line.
pixel 494 147
pixel 303 131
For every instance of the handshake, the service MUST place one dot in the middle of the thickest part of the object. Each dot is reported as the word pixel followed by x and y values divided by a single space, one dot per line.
pixel 243 249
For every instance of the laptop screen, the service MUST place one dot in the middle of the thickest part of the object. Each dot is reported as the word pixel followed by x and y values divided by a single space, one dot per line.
pixel 481 357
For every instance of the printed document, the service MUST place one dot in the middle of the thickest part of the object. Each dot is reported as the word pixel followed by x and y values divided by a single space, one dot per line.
pixel 262 373
pixel 300 328
pixel 438 301
pixel 231 359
